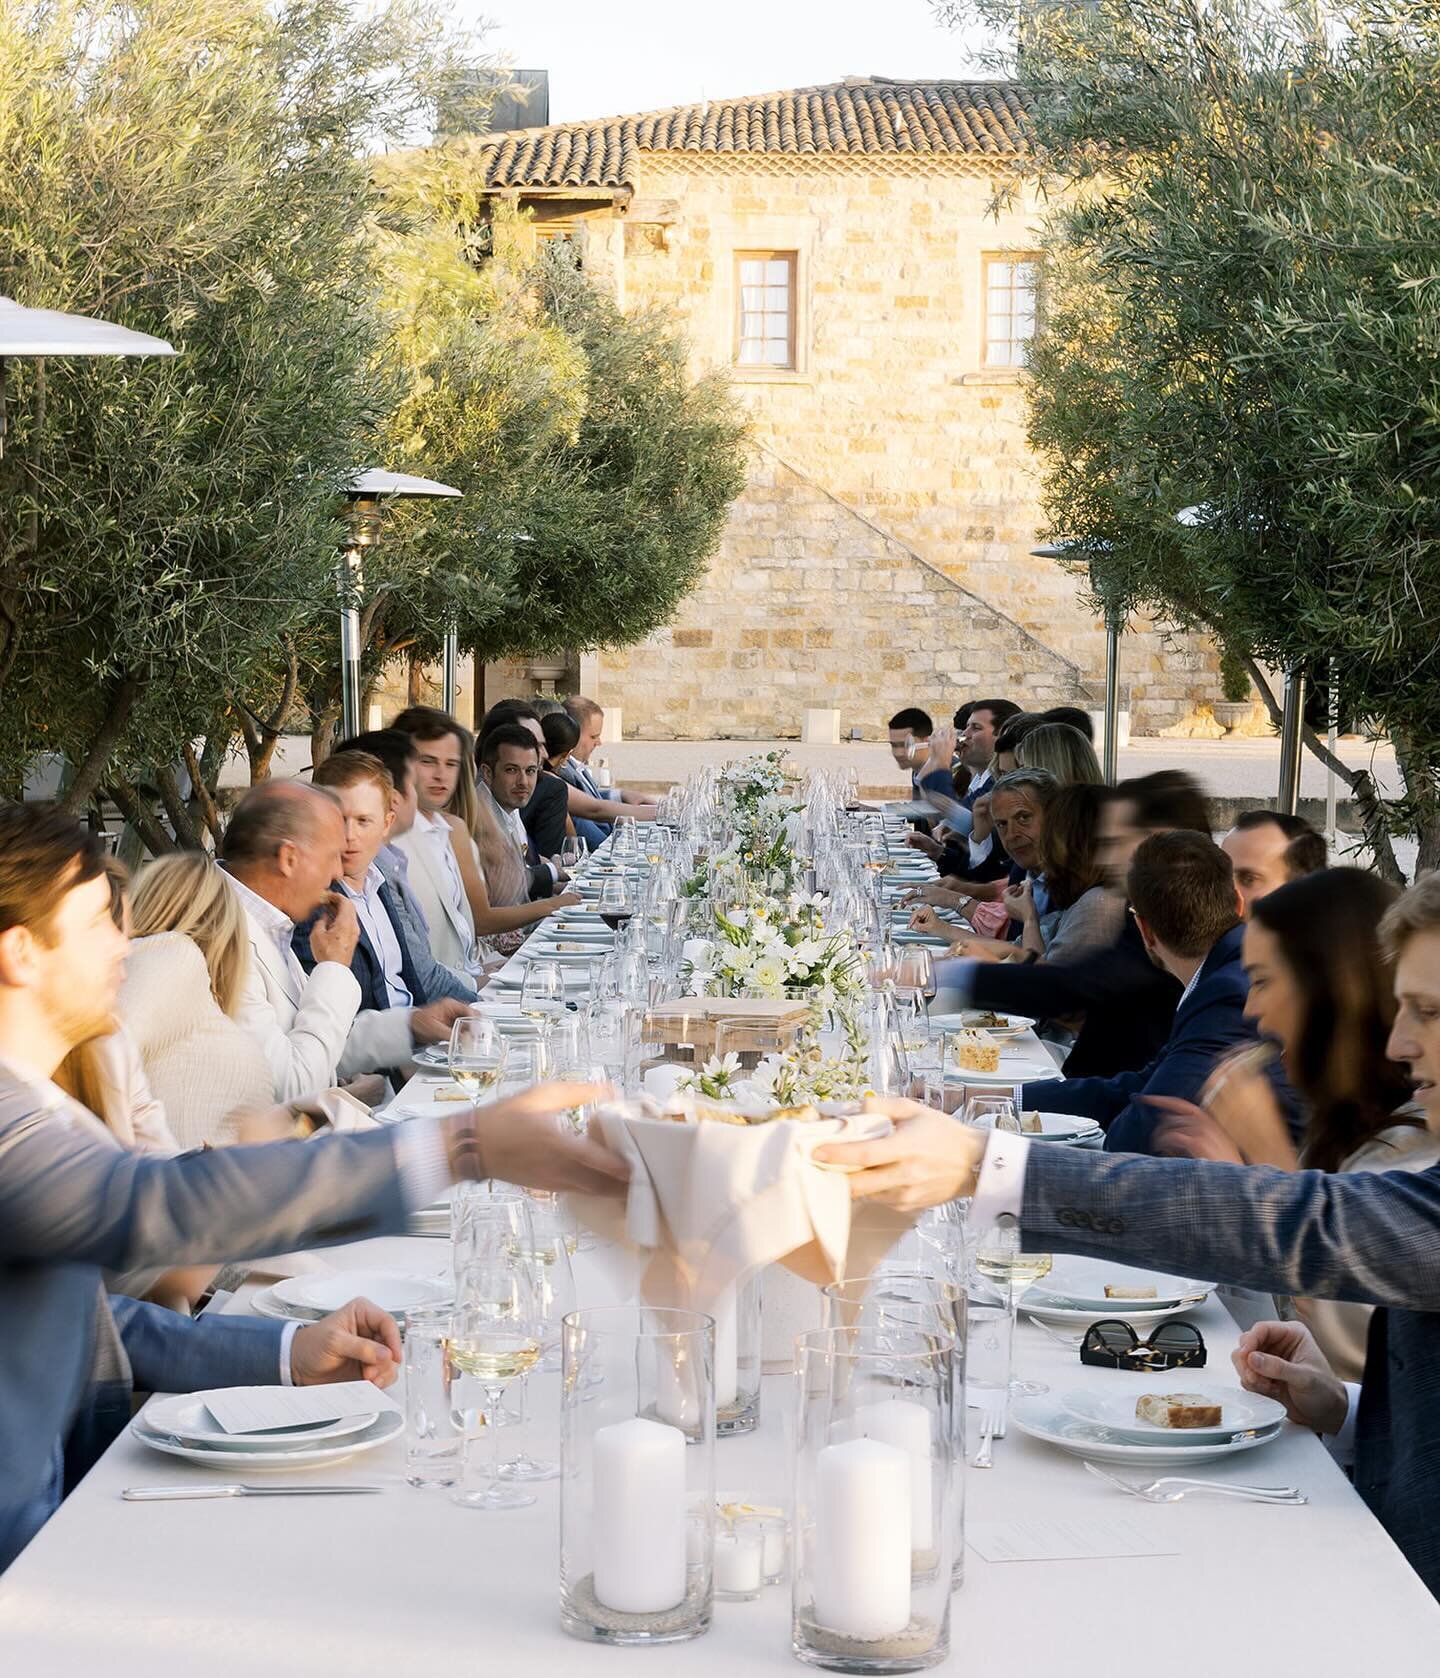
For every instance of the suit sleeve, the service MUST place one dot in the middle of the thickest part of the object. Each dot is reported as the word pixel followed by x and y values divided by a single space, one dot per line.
pixel 379 1039
pixel 1365 1236
pixel 64 1197
pixel 1046 990
pixel 545 815
pixel 303 1059
pixel 173 1354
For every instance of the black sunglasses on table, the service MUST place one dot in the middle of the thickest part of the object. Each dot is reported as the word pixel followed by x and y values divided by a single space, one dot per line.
pixel 1114 1344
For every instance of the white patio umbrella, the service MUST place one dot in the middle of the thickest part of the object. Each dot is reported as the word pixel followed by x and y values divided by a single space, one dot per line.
pixel 367 492
pixel 46 332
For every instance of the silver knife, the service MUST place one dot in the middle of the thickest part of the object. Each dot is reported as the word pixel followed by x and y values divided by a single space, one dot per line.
pixel 154 1494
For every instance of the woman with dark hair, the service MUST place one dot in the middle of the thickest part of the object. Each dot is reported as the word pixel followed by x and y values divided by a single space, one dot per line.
pixel 1321 994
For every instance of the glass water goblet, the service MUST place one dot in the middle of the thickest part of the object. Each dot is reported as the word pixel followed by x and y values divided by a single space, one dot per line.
pixel 542 993
pixel 1000 1261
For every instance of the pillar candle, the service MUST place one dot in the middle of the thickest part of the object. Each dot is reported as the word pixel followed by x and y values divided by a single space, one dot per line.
pixel 906 1425
pixel 862 1539
pixel 639 1523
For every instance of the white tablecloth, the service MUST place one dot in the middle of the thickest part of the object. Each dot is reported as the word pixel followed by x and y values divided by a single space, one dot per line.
pixel 407 1583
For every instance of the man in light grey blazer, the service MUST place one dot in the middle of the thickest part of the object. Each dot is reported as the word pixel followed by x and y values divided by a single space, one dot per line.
pixel 73 1204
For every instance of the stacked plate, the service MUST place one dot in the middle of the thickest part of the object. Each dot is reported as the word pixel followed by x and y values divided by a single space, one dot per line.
pixel 1074 1293
pixel 1103 1424
pixel 1001 1026
pixel 307 1298
pixel 184 1427
pixel 1021 1062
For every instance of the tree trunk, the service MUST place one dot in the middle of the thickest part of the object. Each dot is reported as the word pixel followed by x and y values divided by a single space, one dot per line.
pixel 86 783
pixel 1369 805
pixel 322 737
pixel 415 683
pixel 1422 787
pixel 187 834
pixel 200 800
pixel 137 815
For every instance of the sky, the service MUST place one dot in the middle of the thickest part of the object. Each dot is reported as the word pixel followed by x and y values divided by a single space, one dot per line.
pixel 612 57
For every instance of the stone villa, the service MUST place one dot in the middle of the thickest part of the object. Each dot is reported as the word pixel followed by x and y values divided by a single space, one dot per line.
pixel 835 248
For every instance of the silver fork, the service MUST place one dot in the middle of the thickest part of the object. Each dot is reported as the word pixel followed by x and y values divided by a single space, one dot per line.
pixel 989 1429
pixel 1154 1491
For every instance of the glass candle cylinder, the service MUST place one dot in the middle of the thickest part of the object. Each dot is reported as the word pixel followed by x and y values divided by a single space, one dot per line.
pixel 637 1460
pixel 739 1561
pixel 874 1477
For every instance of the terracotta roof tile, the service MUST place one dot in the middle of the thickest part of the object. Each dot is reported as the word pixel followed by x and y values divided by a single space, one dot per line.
pixel 864 118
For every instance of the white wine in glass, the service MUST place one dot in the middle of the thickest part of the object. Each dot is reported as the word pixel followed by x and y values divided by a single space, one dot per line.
pixel 476 1055
pixel 494 1354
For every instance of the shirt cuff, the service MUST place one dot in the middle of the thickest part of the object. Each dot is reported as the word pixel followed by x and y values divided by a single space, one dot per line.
pixel 1341 1445
pixel 423 1162
pixel 1001 1185
pixel 980 850
pixel 287 1339
pixel 957 976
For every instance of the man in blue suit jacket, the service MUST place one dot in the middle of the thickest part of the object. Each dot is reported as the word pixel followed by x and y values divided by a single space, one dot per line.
pixel 73 1204
pixel 1184 901
pixel 1372 1237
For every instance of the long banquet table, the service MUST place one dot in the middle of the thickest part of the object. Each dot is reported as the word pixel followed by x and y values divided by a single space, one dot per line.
pixel 406 1582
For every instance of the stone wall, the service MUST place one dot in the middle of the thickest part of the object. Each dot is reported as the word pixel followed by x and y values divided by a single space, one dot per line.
pixel 892 414
pixel 808 604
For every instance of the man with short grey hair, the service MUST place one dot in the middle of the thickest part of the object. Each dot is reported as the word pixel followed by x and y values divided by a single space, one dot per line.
pixel 281 850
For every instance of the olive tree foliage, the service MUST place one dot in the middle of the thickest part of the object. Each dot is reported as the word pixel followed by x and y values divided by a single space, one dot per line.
pixel 1241 284
pixel 596 470
pixel 194 169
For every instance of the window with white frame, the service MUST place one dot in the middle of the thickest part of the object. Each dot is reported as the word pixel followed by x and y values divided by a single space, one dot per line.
pixel 1010 288
pixel 765 309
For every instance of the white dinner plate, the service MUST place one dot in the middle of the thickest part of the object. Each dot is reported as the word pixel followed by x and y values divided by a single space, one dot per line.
pixel 1059 1316
pixel 380 1431
pixel 1062 1127
pixel 1079 1284
pixel 1239 1411
pixel 391 1290
pixel 1012 1071
pixel 186 1418
pixel 1012 1025
pixel 1043 1418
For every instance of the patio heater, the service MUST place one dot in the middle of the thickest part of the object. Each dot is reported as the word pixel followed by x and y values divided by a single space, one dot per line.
pixel 368 493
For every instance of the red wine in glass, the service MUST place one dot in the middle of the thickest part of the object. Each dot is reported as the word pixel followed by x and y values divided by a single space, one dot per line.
pixel 616 918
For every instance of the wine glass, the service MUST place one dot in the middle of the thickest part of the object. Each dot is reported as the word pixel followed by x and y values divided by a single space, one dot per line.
pixel 477 1054
pixel 1000 1260
pixel 549 1252
pixel 573 851
pixel 915 975
pixel 496 1335
pixel 624 841
pixel 542 994
pixel 615 904
pixel 528 1062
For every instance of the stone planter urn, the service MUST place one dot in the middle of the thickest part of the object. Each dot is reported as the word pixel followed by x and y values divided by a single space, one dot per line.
pixel 1230 713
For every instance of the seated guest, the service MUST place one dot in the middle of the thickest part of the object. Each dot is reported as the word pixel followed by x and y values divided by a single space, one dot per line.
pixel 1184 900
pixel 1364 1235
pixel 281 850
pixel 509 771
pixel 1018 803
pixel 1064 751
pixel 1321 991
pixel 397 1014
pixel 73 1203
pixel 1083 912
pixel 546 816
pixel 590 817
pixel 910 731
pixel 1259 847
pixel 1072 717
pixel 182 999
pixel 398 752
pixel 578 772
pixel 1126 1001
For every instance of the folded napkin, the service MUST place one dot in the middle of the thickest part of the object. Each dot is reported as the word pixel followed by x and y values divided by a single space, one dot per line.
pixel 710 1202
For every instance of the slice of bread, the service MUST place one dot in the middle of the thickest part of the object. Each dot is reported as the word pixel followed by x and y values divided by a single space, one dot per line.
pixel 1031 1124
pixel 1129 1293
pixel 1177 1410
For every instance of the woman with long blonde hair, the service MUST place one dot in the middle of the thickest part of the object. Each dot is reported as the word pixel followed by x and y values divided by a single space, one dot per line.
pixel 187 894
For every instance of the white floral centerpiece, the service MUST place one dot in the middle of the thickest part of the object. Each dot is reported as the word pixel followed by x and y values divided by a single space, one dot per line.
pixel 772 947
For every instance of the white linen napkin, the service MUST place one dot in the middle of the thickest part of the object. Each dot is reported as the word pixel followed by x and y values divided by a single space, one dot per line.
pixel 710 1202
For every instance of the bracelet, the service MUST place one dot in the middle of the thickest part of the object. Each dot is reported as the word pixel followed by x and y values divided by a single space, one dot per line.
pixel 462 1149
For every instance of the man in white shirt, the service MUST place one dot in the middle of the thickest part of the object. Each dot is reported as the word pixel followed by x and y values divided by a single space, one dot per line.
pixel 281 851
pixel 395 1015
pixel 434 873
